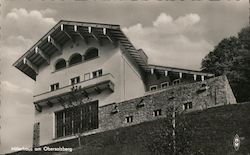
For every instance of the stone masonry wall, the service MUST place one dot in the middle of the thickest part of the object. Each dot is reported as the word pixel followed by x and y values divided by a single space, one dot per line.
pixel 204 94
pixel 229 92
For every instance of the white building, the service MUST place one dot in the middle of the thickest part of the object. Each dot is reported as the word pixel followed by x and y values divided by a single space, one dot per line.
pixel 88 65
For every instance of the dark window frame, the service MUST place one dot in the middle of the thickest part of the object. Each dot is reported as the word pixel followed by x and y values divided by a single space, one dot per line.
pixel 157 112
pixel 75 80
pixel 153 87
pixel 54 86
pixel 59 64
pixel 176 81
pixel 187 105
pixel 129 119
pixel 91 53
pixel 97 73
pixel 75 59
pixel 76 119
pixel 164 83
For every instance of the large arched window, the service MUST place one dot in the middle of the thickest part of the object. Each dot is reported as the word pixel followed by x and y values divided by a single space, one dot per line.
pixel 60 64
pixel 91 53
pixel 75 58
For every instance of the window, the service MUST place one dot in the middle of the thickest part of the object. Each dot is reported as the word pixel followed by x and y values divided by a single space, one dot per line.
pixel 188 105
pixel 75 58
pixel 157 112
pixel 129 119
pixel 176 82
pixel 164 85
pixel 54 86
pixel 75 80
pixel 91 53
pixel 60 64
pixel 152 88
pixel 87 76
pixel 97 73
pixel 77 119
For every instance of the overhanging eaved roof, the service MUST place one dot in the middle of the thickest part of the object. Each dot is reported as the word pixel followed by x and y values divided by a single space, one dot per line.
pixel 63 31
pixel 180 70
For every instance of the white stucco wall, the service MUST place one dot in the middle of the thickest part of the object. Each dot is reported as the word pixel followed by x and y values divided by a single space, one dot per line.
pixel 108 56
pixel 127 81
pixel 131 81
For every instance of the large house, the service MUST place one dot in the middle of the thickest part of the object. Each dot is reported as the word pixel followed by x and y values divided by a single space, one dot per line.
pixel 90 78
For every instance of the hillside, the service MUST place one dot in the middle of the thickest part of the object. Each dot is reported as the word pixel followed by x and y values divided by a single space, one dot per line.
pixel 209 132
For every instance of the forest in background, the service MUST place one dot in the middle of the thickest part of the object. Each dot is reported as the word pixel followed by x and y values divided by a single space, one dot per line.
pixel 231 57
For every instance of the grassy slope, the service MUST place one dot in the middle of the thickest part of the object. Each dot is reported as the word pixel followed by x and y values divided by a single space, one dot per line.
pixel 205 132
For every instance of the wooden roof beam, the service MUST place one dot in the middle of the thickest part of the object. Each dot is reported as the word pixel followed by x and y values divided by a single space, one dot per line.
pixel 129 47
pixel 85 93
pixel 135 53
pixel 61 102
pixel 137 58
pixel 87 24
pixel 50 104
pixel 125 42
pixel 55 44
pixel 195 77
pixel 93 35
pixel 72 95
pixel 107 34
pixel 41 53
pixel 62 29
pixel 155 72
pixel 110 39
pixel 166 73
pixel 38 108
pixel 140 62
pixel 98 90
pixel 152 70
pixel 180 75
pixel 31 65
pixel 78 32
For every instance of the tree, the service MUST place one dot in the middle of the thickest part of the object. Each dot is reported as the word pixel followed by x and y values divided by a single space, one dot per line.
pixel 231 57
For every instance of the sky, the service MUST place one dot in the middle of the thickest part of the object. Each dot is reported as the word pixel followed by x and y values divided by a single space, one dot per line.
pixel 172 33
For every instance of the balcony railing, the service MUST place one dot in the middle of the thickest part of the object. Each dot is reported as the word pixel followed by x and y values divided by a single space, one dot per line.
pixel 105 81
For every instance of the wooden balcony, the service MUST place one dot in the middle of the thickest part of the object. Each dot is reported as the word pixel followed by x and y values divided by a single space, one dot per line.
pixel 94 85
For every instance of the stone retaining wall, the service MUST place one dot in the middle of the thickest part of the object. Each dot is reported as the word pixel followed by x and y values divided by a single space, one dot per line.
pixel 202 95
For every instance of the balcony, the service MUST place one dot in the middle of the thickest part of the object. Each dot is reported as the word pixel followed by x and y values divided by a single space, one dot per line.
pixel 97 85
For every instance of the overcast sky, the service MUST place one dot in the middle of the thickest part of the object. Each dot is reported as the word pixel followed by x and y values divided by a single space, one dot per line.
pixel 172 33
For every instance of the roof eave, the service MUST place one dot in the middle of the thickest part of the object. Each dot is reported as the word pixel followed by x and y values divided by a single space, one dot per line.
pixel 100 25
pixel 181 69
pixel 65 22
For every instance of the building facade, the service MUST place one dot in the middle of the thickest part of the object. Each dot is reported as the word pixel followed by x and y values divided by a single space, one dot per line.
pixel 90 78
